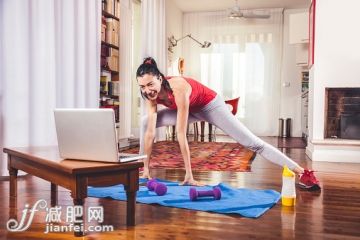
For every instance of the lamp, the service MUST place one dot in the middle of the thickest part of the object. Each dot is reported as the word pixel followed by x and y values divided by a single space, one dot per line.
pixel 173 42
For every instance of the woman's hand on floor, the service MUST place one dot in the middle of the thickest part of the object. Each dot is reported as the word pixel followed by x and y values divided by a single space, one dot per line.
pixel 146 174
pixel 192 182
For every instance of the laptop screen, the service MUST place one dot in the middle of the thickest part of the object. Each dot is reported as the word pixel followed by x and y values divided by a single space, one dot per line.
pixel 87 134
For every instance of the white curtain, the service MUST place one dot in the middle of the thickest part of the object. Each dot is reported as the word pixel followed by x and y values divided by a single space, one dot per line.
pixel 50 57
pixel 154 40
pixel 243 61
pixel 125 68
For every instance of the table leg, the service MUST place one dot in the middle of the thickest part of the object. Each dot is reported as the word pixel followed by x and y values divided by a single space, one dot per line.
pixel 79 193
pixel 202 130
pixel 54 194
pixel 79 220
pixel 131 189
pixel 13 193
pixel 130 208
pixel 13 182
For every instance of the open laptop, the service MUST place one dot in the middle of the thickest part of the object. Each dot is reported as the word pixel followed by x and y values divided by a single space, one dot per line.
pixel 89 134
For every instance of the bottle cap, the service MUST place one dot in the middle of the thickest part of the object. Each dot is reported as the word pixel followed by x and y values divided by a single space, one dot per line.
pixel 287 172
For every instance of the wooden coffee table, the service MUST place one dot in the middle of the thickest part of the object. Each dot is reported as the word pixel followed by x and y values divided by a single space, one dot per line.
pixel 75 175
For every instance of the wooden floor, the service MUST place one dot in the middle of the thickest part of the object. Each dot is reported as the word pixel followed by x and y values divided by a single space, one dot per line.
pixel 333 213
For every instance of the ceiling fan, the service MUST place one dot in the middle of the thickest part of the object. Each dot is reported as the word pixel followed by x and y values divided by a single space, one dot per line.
pixel 236 13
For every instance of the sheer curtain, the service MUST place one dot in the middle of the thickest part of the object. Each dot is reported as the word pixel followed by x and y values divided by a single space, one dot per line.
pixel 49 58
pixel 126 67
pixel 153 41
pixel 243 61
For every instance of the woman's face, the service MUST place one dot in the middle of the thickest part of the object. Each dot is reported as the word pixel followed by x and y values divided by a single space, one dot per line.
pixel 150 86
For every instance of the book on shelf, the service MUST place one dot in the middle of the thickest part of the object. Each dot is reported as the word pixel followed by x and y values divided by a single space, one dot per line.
pixel 112 31
pixel 113 59
pixel 113 88
pixel 112 7
pixel 113 52
pixel 105 77
pixel 103 29
pixel 109 58
pixel 109 6
pixel 115 78
pixel 104 51
pixel 103 62
pixel 112 63
pixel 110 88
pixel 103 86
pixel 117 8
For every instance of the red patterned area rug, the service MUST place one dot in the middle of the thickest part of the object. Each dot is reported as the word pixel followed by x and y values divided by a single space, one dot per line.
pixel 214 156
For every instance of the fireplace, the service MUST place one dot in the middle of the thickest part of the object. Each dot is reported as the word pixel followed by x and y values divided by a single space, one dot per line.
pixel 342 113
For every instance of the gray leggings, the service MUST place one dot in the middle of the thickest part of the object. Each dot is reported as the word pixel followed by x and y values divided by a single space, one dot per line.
pixel 217 113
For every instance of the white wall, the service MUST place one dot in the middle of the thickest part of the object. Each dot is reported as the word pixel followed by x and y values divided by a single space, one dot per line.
pixel 337 55
pixel 290 103
pixel 336 64
pixel 174 20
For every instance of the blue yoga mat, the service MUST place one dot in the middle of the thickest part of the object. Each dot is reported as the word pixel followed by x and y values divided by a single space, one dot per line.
pixel 246 202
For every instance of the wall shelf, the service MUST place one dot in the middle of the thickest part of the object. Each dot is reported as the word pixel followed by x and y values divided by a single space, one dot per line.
pixel 109 96
pixel 109 15
pixel 109 70
pixel 110 45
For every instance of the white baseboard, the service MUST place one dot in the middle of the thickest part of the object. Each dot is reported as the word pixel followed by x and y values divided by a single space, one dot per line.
pixel 345 151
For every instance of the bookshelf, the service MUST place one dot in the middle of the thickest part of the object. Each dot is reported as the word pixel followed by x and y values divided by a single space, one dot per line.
pixel 109 64
pixel 304 103
pixel 106 12
pixel 304 81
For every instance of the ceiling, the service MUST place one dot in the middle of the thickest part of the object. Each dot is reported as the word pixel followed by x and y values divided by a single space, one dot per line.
pixel 217 5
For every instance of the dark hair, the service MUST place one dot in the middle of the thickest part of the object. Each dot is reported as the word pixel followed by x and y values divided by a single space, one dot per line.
pixel 149 66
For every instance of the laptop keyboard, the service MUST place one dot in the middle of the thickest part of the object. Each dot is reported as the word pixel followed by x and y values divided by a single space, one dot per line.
pixel 124 157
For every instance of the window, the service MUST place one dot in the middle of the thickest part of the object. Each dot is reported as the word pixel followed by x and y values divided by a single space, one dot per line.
pixel 234 71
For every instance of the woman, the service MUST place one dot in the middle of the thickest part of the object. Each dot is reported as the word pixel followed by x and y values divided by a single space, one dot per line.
pixel 188 101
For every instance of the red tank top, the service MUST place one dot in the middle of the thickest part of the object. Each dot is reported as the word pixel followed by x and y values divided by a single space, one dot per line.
pixel 199 97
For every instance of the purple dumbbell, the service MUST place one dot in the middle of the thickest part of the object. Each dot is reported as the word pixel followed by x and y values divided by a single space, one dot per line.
pixel 159 188
pixel 215 192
